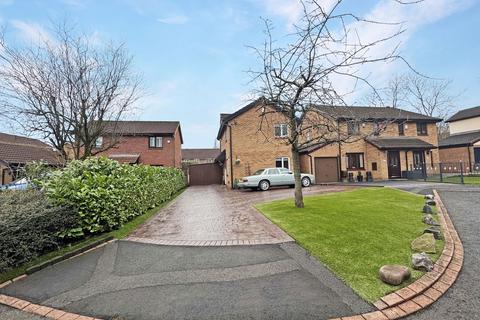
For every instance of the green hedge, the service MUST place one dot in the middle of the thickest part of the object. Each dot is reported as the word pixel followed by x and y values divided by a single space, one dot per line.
pixel 30 226
pixel 106 194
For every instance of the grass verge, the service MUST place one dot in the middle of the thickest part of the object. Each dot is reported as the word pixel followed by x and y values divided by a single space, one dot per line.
pixel 355 232
pixel 121 233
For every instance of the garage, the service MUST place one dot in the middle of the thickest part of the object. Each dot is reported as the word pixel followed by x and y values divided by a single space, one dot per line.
pixel 204 174
pixel 326 169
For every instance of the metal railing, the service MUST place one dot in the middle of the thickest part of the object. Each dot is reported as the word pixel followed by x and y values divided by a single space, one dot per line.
pixel 451 172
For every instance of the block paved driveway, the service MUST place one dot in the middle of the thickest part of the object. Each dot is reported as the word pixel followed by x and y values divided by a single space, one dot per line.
pixel 212 215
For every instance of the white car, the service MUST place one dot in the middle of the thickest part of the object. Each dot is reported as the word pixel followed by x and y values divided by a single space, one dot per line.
pixel 263 179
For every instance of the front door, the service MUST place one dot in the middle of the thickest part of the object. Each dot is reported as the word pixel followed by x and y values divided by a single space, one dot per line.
pixel 393 160
pixel 477 155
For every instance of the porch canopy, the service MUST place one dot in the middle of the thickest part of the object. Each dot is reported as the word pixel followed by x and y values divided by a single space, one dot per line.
pixel 399 143
pixel 125 158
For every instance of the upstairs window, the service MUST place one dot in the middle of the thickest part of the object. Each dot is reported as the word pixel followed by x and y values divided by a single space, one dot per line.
pixel 155 142
pixel 422 129
pixel 401 129
pixel 281 130
pixel 282 163
pixel 99 142
pixel 355 161
pixel 353 127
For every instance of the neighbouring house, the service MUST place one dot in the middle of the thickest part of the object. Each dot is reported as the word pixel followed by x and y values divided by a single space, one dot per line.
pixel 156 143
pixel 407 141
pixel 17 151
pixel 463 144
pixel 198 156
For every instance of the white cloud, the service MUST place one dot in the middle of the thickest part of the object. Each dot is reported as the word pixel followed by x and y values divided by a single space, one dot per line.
pixel 32 32
pixel 174 19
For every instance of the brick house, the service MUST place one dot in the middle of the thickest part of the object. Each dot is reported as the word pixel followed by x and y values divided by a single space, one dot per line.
pixel 387 142
pixel 17 151
pixel 156 143
pixel 463 144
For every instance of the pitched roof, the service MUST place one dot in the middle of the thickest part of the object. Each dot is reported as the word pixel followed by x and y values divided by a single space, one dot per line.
pixel 374 113
pixel 460 139
pixel 18 149
pixel 402 143
pixel 125 158
pixel 465 114
pixel 139 128
pixel 225 117
pixel 192 154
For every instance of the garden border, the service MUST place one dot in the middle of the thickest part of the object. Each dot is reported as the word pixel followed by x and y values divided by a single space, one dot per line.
pixel 431 286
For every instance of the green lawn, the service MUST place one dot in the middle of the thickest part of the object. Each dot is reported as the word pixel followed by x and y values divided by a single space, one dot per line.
pixel 355 232
pixel 121 233
pixel 466 179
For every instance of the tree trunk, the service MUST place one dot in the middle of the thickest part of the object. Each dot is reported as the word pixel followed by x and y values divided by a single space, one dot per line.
pixel 297 176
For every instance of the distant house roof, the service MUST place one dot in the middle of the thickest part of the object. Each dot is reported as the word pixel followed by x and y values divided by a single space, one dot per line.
pixel 202 154
pixel 399 143
pixel 461 139
pixel 465 114
pixel 21 150
pixel 343 113
pixel 374 113
pixel 142 128
pixel 125 158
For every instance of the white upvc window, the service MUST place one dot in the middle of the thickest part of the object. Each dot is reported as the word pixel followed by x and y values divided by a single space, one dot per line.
pixel 282 162
pixel 155 142
pixel 281 130
pixel 99 142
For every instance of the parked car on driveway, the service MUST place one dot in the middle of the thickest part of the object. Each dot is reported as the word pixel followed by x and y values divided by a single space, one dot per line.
pixel 263 179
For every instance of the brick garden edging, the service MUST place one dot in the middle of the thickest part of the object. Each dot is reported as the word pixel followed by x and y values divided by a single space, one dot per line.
pixel 403 302
pixel 431 286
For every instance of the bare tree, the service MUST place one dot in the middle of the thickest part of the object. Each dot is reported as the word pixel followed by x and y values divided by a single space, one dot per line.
pixel 325 49
pixel 65 87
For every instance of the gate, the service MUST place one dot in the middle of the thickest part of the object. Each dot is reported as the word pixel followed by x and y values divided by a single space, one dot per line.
pixel 204 174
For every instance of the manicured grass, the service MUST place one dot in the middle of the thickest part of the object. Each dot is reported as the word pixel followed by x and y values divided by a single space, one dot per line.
pixel 355 232
pixel 466 179
pixel 121 233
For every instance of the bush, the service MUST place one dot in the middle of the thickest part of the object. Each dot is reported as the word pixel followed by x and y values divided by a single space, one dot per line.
pixel 30 226
pixel 106 194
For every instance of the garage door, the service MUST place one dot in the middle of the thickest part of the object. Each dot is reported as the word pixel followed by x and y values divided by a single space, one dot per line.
pixel 203 174
pixel 326 169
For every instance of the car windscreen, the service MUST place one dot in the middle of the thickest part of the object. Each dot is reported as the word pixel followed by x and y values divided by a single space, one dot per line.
pixel 258 172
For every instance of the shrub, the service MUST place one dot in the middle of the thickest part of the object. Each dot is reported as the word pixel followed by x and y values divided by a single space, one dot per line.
pixel 30 226
pixel 106 194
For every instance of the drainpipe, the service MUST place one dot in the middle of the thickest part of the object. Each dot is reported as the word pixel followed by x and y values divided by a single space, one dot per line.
pixel 469 158
pixel 339 175
pixel 231 155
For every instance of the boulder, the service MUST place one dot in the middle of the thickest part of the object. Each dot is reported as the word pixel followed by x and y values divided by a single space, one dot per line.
pixel 421 261
pixel 429 197
pixel 437 234
pixel 424 243
pixel 431 202
pixel 427 209
pixel 394 274
pixel 428 219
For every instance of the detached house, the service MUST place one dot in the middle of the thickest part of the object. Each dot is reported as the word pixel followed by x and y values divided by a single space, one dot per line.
pixel 17 151
pixel 463 144
pixel 156 143
pixel 385 142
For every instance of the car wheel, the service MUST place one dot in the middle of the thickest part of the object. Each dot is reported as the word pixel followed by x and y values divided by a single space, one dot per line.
pixel 306 182
pixel 264 185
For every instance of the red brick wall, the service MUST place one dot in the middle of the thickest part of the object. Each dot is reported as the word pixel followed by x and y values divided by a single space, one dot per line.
pixel 169 156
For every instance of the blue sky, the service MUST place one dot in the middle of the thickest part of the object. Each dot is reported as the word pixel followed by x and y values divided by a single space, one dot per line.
pixel 193 54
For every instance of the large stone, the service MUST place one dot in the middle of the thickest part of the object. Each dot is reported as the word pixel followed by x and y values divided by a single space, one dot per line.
pixel 431 202
pixel 421 261
pixel 429 197
pixel 428 219
pixel 437 234
pixel 427 209
pixel 424 243
pixel 394 274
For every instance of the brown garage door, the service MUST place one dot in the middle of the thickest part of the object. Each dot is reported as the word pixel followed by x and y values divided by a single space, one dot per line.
pixel 326 169
pixel 205 173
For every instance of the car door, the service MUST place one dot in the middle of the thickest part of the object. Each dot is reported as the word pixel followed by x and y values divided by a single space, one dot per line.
pixel 274 177
pixel 287 176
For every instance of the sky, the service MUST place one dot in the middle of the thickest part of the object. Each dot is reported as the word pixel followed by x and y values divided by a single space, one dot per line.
pixel 193 55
